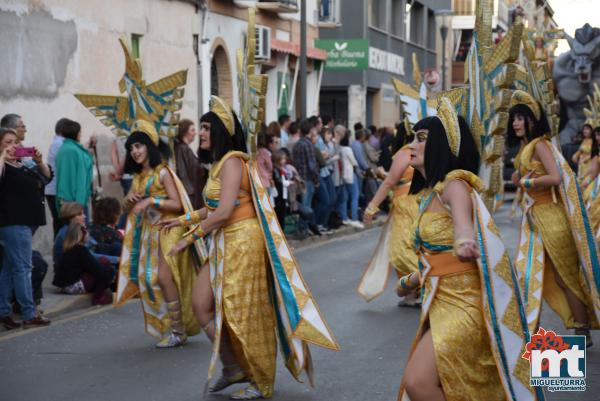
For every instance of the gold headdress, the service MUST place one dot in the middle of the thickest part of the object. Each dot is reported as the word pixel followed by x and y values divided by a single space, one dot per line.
pixel 449 118
pixel 223 111
pixel 147 128
pixel 522 97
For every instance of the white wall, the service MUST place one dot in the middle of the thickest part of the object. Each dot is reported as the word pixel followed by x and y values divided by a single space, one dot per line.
pixel 98 63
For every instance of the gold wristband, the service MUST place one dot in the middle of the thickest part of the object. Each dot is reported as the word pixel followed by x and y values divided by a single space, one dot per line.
pixel 189 218
pixel 371 210
pixel 195 234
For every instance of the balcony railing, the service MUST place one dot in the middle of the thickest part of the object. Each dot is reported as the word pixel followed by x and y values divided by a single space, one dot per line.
pixel 329 13
pixel 281 6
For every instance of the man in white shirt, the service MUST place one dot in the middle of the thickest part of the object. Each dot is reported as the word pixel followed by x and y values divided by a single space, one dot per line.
pixel 50 189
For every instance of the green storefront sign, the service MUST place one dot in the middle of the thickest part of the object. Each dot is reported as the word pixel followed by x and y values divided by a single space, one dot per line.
pixel 345 54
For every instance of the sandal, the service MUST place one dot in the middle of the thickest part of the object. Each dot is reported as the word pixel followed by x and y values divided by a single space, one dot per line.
pixel 172 340
pixel 249 393
pixel 225 381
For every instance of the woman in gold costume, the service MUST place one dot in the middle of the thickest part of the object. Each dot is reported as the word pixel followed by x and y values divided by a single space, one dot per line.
pixel 591 185
pixel 555 232
pixel 395 246
pixel 238 294
pixel 163 282
pixel 583 156
pixel 469 340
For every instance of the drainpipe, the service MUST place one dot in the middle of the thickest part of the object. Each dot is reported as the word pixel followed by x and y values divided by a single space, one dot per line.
pixel 202 41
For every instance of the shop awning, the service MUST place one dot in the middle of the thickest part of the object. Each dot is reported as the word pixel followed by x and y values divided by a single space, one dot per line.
pixel 293 48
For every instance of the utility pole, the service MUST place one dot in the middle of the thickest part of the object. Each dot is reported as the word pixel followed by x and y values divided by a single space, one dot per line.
pixel 302 59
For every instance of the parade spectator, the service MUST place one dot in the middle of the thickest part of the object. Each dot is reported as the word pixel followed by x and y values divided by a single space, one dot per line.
pixel 21 208
pixel 79 272
pixel 117 158
pixel 188 167
pixel 294 136
pixel 14 122
pixel 281 181
pixel 326 197
pixel 318 125
pixel 386 155
pixel 109 240
pixel 306 164
pixel 50 189
pixel 327 121
pixel 284 135
pixel 73 168
pixel 264 160
pixel 350 192
pixel 70 213
pixel 274 129
pixel 338 133
pixel 38 273
pixel 373 130
pixel 358 127
pixel 370 179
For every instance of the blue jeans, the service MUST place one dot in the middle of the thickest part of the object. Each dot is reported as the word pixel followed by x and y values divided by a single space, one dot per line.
pixel 325 200
pixel 307 215
pixel 348 195
pixel 16 270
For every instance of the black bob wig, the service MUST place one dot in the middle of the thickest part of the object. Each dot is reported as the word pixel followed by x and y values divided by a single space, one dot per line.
pixel 439 159
pixel 220 141
pixel 156 154
pixel 540 127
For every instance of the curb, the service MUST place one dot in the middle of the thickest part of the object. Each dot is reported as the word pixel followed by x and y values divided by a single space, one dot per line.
pixel 79 303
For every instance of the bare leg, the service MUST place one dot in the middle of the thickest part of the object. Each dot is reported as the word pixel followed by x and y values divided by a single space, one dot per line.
pixel 421 380
pixel 578 308
pixel 165 280
pixel 203 303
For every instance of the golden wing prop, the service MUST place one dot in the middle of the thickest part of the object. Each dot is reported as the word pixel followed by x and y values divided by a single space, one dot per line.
pixel 158 102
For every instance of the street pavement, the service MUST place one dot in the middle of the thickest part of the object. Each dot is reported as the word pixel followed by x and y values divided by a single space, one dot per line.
pixel 103 354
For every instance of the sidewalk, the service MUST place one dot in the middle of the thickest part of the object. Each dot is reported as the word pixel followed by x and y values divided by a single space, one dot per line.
pixel 56 305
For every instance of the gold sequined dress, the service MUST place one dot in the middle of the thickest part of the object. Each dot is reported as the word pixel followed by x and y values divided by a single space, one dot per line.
pixel 247 309
pixel 143 244
pixel 551 222
pixel 403 215
pixel 592 200
pixel 585 158
pixel 476 324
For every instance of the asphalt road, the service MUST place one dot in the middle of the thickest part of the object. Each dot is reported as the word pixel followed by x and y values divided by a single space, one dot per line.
pixel 104 355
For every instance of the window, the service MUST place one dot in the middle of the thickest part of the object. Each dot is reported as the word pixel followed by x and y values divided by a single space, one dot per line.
pixel 135 45
pixel 196 47
pixel 377 14
pixel 431 30
pixel 416 23
pixel 397 18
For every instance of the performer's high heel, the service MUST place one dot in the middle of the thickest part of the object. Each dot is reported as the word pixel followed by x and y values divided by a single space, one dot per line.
pixel 176 337
pixel 249 393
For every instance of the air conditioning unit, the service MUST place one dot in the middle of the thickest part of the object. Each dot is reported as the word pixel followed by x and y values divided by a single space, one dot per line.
pixel 263 43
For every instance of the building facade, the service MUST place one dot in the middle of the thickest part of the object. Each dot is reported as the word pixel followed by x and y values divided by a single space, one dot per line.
pixel 277 55
pixel 53 49
pixel 391 30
